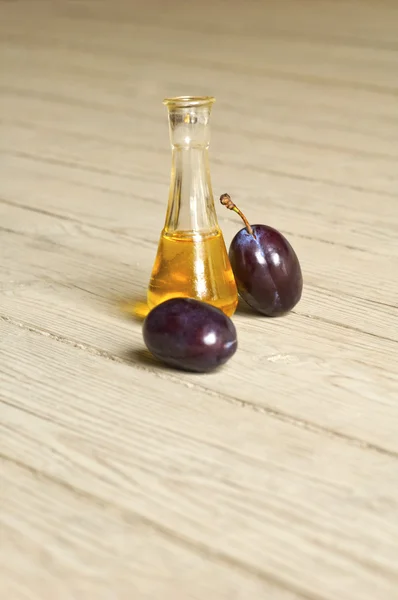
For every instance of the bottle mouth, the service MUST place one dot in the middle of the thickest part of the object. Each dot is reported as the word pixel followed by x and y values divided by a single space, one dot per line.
pixel 188 101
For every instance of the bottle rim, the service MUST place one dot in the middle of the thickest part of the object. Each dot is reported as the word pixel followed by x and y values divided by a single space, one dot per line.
pixel 188 101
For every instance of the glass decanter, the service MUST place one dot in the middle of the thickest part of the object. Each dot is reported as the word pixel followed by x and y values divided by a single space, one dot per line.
pixel 192 259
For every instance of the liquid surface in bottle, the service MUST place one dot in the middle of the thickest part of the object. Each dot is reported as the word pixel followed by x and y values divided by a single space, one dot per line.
pixel 191 265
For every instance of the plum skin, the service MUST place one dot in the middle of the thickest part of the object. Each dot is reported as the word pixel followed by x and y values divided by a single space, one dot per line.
pixel 190 335
pixel 266 269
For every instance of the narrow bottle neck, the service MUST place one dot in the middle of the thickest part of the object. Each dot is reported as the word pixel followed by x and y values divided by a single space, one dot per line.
pixel 191 205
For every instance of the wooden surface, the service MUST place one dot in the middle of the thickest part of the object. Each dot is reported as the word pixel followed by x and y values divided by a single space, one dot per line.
pixel 275 478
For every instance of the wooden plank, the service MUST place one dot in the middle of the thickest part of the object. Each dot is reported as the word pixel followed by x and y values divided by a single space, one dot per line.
pixel 331 163
pixel 325 257
pixel 276 504
pixel 85 547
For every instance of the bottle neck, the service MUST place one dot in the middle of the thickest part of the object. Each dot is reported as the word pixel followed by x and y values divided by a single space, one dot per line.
pixel 191 207
pixel 191 203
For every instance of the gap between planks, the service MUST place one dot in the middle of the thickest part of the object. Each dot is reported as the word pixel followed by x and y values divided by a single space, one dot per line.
pixel 215 160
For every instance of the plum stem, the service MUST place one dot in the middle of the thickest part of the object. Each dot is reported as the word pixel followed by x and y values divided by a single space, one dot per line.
pixel 226 201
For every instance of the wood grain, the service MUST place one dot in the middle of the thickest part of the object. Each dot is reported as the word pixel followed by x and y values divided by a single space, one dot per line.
pixel 189 466
pixel 276 477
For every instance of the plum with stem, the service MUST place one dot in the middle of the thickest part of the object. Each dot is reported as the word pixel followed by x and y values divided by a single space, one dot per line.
pixel 266 268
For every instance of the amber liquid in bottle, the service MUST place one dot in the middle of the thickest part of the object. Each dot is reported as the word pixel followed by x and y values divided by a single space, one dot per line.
pixel 193 268
pixel 192 259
